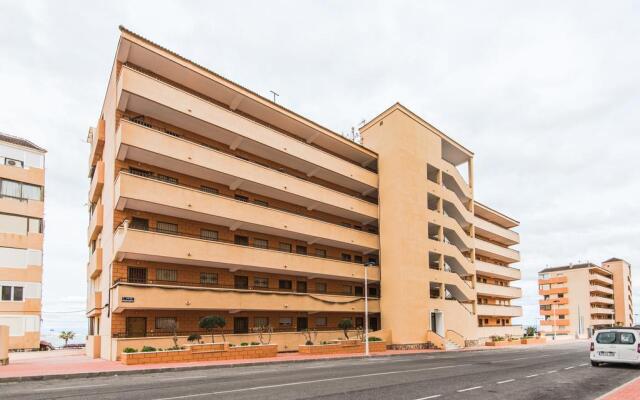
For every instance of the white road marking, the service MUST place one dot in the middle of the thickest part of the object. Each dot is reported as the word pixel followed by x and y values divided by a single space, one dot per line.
pixel 569 367
pixel 582 365
pixel 507 381
pixel 551 372
pixel 429 397
pixel 340 378
pixel 531 376
pixel 471 388
pixel 68 387
pixel 186 377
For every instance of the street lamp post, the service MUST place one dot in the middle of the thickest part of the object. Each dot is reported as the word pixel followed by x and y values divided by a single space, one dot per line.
pixel 366 311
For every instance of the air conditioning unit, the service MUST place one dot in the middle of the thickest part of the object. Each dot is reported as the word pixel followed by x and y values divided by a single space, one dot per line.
pixel 13 163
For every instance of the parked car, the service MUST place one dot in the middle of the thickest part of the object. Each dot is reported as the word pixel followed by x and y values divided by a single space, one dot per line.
pixel 615 345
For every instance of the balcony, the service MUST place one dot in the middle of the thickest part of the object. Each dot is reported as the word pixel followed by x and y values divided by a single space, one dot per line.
pixel 150 146
pixel 34 176
pixel 499 310
pixel 18 241
pixel 497 271
pixel 143 94
pixel 600 279
pixel 600 289
pixel 94 268
pixel 94 304
pixel 134 296
pixel 595 299
pixel 500 253
pixel 495 232
pixel 554 280
pixel 508 292
pixel 452 202
pixel 189 250
pixel 556 290
pixel 597 321
pixel 555 311
pixel 555 322
pixel 18 206
pixel 454 181
pixel 96 222
pixel 154 196
pixel 96 140
pixel 97 182
pixel 602 310
pixel 550 302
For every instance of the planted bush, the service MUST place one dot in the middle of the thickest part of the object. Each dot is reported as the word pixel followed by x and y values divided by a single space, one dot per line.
pixel 212 322
pixel 146 349
pixel 255 343
pixel 194 337
pixel 244 344
pixel 375 339
pixel 129 350
pixel 345 325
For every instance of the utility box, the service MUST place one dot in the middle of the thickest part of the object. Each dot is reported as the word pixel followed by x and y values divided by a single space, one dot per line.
pixel 4 345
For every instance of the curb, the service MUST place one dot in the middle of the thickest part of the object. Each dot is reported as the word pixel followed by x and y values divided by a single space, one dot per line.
pixel 15 379
pixel 620 388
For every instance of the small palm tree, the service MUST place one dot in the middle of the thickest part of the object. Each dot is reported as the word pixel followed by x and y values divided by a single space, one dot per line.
pixel 66 336
pixel 345 325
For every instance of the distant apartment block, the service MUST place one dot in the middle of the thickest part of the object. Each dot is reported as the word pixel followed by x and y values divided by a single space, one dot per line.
pixel 206 198
pixel 580 298
pixel 21 238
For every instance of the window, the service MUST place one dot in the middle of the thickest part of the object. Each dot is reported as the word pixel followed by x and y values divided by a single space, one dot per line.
pixel 208 278
pixel 35 225
pixel 13 224
pixel 209 189
pixel 20 190
pixel 17 293
pixel 321 253
pixel 301 249
pixel 285 247
pixel 166 323
pixel 321 287
pixel 261 243
pixel 139 223
pixel 170 275
pixel 168 179
pixel 359 291
pixel 606 337
pixel 625 337
pixel 167 227
pixel 137 275
pixel 346 257
pixel 208 234
pixel 285 284
pixel 346 289
pixel 372 261
pixel 373 291
pixel 285 322
pixel 260 322
pixel 357 259
pixel 261 203
pixel 241 240
pixel 260 282
pixel 321 321
pixel 6 293
pixel 241 198
pixel 140 172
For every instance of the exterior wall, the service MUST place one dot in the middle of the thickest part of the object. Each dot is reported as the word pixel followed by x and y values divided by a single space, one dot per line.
pixel 21 245
pixel 622 286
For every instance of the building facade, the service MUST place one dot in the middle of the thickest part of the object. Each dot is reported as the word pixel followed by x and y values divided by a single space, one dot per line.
pixel 580 298
pixel 208 199
pixel 21 239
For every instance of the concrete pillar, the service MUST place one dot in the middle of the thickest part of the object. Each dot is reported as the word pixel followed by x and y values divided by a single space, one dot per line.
pixel 4 345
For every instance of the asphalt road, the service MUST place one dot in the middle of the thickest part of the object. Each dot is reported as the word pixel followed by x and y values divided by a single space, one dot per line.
pixel 541 372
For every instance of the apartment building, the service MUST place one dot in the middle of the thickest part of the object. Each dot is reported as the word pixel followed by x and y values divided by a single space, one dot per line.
pixel 21 239
pixel 208 199
pixel 580 298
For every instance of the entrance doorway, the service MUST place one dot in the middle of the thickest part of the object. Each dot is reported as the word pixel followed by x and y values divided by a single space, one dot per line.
pixel 302 323
pixel 241 325
pixel 136 326
pixel 437 322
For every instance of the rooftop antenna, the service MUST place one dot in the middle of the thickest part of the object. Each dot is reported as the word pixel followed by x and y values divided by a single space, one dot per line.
pixel 274 95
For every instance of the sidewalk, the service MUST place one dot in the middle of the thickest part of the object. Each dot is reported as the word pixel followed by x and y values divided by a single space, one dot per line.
pixel 628 391
pixel 63 364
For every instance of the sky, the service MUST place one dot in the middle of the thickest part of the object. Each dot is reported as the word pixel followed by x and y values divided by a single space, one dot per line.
pixel 546 94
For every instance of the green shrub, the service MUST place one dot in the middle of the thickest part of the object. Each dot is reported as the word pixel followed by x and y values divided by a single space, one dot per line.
pixel 375 339
pixel 255 343
pixel 244 344
pixel 345 325
pixel 308 343
pixel 194 337
pixel 146 349
pixel 129 350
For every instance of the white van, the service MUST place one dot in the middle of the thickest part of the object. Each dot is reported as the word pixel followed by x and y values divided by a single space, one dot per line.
pixel 615 345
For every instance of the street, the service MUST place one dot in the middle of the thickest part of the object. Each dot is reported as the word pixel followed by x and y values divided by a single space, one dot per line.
pixel 547 372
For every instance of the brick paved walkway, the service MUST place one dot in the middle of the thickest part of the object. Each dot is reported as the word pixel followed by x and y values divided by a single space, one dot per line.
pixel 629 391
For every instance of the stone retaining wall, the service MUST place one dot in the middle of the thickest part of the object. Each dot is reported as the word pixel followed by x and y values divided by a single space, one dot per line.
pixel 201 352
pixel 342 347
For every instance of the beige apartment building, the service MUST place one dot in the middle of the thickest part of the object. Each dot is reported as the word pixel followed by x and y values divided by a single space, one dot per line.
pixel 580 298
pixel 21 239
pixel 209 199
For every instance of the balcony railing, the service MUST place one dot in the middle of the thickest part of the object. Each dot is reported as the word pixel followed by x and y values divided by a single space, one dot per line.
pixel 149 175
pixel 373 263
pixel 282 170
pixel 247 288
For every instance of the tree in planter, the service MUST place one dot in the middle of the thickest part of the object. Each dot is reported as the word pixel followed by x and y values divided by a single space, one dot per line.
pixel 172 326
pixel 310 336
pixel 66 336
pixel 194 338
pixel 261 331
pixel 531 331
pixel 211 322
pixel 345 325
